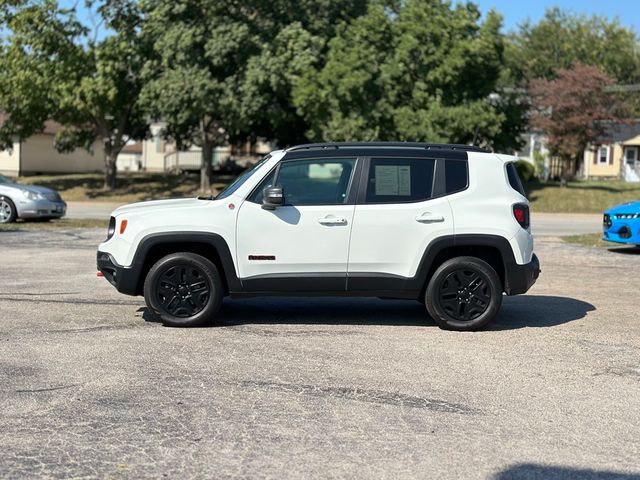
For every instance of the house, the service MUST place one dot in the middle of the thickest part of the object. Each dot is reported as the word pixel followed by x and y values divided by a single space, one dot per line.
pixel 616 155
pixel 38 154
pixel 160 155
pixel 130 158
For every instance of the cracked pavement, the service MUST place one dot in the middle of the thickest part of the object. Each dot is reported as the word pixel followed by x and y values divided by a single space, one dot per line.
pixel 316 388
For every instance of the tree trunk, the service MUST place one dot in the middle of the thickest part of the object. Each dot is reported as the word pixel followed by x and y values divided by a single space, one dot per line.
pixel 564 174
pixel 110 169
pixel 205 168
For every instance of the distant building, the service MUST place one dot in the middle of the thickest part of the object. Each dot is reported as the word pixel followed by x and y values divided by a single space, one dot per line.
pixel 38 154
pixel 159 155
pixel 616 155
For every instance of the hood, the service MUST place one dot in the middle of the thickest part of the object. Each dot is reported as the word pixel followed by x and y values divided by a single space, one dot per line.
pixel 37 188
pixel 155 205
pixel 44 191
pixel 630 207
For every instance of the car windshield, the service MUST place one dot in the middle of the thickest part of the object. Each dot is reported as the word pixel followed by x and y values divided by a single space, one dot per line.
pixel 4 179
pixel 238 182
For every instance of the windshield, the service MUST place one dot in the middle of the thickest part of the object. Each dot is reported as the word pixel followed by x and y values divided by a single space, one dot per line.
pixel 238 182
pixel 4 179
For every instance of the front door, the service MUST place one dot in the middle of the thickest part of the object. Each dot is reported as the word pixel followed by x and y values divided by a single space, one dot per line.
pixel 303 245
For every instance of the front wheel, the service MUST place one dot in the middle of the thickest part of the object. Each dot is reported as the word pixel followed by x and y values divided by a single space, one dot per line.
pixel 464 294
pixel 184 290
pixel 8 211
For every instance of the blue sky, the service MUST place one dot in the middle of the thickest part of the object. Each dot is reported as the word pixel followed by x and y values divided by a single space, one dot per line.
pixel 515 12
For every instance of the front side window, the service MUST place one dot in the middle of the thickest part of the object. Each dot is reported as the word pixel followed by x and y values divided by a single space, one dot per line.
pixel 316 182
pixel 400 180
pixel 238 182
pixel 603 155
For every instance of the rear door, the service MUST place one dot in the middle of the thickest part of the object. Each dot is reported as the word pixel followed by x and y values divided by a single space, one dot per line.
pixel 303 245
pixel 401 208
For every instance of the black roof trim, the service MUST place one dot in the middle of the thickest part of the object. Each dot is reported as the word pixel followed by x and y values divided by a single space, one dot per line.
pixel 426 146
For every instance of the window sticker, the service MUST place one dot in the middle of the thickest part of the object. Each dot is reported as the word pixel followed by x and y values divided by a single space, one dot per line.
pixel 393 180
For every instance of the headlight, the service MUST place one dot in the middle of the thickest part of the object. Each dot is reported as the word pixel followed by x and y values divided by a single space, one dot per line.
pixel 32 195
pixel 112 228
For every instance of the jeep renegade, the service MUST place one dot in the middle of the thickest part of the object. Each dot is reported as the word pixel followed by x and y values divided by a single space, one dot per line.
pixel 447 225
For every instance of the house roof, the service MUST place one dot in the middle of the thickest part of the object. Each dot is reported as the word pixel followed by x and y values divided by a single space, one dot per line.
pixel 621 132
pixel 50 127
pixel 132 148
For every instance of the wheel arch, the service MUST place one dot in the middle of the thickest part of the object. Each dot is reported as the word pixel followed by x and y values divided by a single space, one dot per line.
pixel 493 249
pixel 210 245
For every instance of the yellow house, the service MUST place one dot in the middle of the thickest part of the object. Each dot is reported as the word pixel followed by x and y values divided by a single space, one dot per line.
pixel 37 154
pixel 616 155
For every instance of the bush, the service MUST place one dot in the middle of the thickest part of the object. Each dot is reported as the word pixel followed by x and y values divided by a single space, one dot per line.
pixel 526 171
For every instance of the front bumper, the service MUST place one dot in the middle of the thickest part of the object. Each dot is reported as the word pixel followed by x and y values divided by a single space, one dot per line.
pixel 520 278
pixel 622 231
pixel 124 279
pixel 41 209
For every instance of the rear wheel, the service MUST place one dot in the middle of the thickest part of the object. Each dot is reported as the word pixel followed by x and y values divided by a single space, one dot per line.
pixel 8 211
pixel 465 293
pixel 184 290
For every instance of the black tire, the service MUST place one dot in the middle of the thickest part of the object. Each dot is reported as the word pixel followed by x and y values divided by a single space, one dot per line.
pixel 8 212
pixel 184 290
pixel 464 294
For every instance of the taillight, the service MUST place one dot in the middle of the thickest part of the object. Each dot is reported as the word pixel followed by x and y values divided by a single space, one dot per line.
pixel 123 226
pixel 521 214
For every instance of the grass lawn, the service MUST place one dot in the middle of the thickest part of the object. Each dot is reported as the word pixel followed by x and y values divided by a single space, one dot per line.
pixel 20 225
pixel 580 197
pixel 595 240
pixel 132 187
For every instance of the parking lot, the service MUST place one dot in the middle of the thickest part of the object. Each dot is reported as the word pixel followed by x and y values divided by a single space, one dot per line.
pixel 91 387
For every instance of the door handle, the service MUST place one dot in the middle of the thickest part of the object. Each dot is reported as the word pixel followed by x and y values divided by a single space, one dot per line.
pixel 331 220
pixel 428 217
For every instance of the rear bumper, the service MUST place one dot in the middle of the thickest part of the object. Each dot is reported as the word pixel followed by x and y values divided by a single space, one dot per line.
pixel 124 279
pixel 520 278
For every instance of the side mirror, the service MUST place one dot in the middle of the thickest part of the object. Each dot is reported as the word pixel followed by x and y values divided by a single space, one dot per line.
pixel 272 197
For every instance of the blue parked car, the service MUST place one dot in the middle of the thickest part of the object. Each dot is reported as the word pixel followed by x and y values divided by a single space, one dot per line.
pixel 621 224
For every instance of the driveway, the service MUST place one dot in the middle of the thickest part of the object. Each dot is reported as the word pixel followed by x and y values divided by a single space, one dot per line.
pixel 300 388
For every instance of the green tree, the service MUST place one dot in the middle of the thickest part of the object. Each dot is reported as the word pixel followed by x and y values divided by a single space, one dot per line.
pixel 52 69
pixel 225 69
pixel 562 39
pixel 422 70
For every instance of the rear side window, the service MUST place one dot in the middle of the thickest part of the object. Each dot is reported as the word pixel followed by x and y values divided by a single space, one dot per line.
pixel 400 180
pixel 514 180
pixel 456 176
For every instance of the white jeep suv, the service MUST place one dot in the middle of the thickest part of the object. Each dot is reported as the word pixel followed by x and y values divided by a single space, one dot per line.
pixel 447 225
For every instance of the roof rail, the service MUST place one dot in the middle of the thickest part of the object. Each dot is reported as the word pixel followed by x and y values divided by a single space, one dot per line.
pixel 427 146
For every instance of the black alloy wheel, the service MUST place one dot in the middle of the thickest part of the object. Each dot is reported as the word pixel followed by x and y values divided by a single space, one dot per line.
pixel 184 290
pixel 464 293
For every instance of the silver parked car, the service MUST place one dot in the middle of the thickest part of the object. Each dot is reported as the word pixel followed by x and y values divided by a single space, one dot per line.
pixel 28 201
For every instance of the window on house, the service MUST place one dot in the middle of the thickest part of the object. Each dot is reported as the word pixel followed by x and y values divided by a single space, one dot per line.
pixel 631 154
pixel 603 155
pixel 158 141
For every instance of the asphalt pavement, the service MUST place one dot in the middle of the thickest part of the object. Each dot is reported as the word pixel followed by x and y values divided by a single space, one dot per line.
pixel 92 387
pixel 543 224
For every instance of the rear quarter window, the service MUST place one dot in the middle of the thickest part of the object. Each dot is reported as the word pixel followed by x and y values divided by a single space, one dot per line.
pixel 514 179
pixel 456 176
